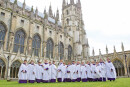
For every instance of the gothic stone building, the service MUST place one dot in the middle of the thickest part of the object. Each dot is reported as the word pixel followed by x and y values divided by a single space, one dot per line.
pixel 121 60
pixel 26 33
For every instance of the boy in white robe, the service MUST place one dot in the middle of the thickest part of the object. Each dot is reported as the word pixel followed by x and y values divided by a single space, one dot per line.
pixel 53 72
pixel 78 72
pixel 46 76
pixel 103 70
pixel 39 72
pixel 89 71
pixel 59 76
pixel 68 72
pixel 31 72
pixel 83 72
pixel 94 71
pixel 110 69
pixel 64 73
pixel 98 72
pixel 22 74
pixel 73 71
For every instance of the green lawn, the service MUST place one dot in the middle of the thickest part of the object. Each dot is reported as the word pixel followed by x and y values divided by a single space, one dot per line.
pixel 122 82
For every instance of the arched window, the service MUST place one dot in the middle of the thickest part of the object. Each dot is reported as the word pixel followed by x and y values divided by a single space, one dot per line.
pixel 67 12
pixel 19 41
pixel 49 48
pixel 15 69
pixel 61 50
pixel 119 68
pixel 67 20
pixel 69 52
pixel 36 44
pixel 2 34
pixel 2 68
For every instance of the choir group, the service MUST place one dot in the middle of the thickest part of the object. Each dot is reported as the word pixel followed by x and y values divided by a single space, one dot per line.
pixel 75 72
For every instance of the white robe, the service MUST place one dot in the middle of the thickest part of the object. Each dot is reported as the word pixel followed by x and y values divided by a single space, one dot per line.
pixel 46 72
pixel 39 71
pixel 73 72
pixel 68 70
pixel 109 73
pixel 103 69
pixel 78 71
pixel 31 72
pixel 83 72
pixel 88 69
pixel 22 75
pixel 53 71
pixel 95 73
pixel 98 71
pixel 60 73
pixel 63 72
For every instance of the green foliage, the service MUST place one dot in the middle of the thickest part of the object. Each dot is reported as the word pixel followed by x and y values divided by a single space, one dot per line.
pixel 122 82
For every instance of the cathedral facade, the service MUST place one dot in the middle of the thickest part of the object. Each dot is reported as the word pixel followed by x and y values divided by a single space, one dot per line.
pixel 28 34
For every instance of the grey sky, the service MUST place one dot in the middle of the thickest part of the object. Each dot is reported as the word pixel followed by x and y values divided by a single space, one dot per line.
pixel 107 22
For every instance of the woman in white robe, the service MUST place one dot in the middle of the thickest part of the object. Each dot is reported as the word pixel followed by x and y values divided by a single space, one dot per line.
pixel 31 72
pixel 46 76
pixel 78 72
pixel 53 72
pixel 39 72
pixel 110 70
pixel 22 74
pixel 83 72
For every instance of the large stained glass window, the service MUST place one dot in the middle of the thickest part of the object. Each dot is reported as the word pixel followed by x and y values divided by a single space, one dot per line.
pixel 61 50
pixel 19 41
pixel 49 48
pixel 2 34
pixel 36 44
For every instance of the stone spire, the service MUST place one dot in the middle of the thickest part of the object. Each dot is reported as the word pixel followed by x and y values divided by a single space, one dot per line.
pixel 15 2
pixel 32 9
pixel 79 4
pixel 50 11
pixel 106 50
pixel 32 13
pixel 63 4
pixel 45 10
pixel 100 54
pixel 93 52
pixel 71 1
pixel 114 49
pixel 24 4
pixel 122 47
pixel 57 14
pixel 87 43
pixel 36 12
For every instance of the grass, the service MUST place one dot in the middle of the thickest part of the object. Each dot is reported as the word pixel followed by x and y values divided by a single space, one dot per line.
pixel 122 82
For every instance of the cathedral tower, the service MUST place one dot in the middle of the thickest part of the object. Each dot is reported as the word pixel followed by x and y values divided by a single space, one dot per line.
pixel 73 26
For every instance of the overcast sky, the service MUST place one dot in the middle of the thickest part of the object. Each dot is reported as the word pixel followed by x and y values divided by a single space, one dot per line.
pixel 107 22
